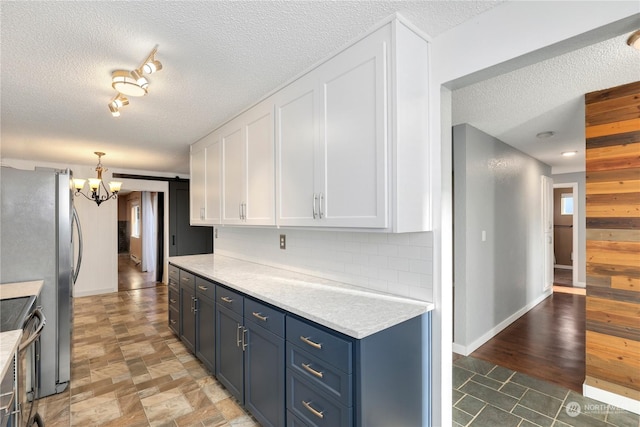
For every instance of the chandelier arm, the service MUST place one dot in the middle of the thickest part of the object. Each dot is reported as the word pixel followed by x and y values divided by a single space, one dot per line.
pixel 148 58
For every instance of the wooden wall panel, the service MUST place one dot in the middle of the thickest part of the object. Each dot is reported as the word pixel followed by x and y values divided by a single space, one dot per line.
pixel 612 118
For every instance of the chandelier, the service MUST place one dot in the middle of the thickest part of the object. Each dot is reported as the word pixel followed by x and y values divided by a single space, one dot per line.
pixel 97 184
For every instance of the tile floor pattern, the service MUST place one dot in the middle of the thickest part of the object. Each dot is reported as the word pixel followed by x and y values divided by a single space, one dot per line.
pixel 128 370
pixel 486 395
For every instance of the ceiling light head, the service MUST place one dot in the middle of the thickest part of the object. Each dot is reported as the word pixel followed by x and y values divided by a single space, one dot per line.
pixel 569 153
pixel 545 135
pixel 124 82
pixel 634 40
pixel 151 67
pixel 115 112
pixel 140 79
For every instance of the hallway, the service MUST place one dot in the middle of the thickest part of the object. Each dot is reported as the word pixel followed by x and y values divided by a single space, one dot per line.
pixel 130 277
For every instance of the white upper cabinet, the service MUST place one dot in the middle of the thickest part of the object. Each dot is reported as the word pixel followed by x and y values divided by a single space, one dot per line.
pixel 197 186
pixel 248 187
pixel 346 145
pixel 204 191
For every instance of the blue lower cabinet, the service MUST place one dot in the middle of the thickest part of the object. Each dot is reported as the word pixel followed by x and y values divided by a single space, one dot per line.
pixel 312 407
pixel 229 351
pixel 205 332
pixel 293 421
pixel 264 376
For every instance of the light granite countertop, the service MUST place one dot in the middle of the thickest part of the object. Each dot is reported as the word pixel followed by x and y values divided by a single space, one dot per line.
pixel 21 289
pixel 8 345
pixel 9 340
pixel 349 309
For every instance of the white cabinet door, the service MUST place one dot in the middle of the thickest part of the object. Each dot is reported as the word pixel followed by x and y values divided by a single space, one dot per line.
pixel 248 167
pixel 296 144
pixel 213 165
pixel 259 206
pixel 233 170
pixel 353 137
pixel 197 186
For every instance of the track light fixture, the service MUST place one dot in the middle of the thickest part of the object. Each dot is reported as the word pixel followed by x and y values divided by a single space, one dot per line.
pixel 134 83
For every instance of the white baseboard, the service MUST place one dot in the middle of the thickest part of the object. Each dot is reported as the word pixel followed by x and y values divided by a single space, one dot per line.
pixel 91 292
pixel 467 350
pixel 613 399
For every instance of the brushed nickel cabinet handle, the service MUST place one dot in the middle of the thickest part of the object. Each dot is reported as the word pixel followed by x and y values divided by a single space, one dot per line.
pixel 320 210
pixel 202 288
pixel 260 316
pixel 173 322
pixel 315 198
pixel 238 340
pixel 307 367
pixel 244 339
pixel 226 299
pixel 306 340
pixel 172 301
pixel 311 409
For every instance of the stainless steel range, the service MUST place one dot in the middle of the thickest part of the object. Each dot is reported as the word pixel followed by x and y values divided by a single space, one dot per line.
pixel 23 386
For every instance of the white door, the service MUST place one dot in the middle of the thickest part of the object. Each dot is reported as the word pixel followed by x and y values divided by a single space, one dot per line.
pixel 296 139
pixel 233 170
pixel 260 153
pixel 547 232
pixel 213 164
pixel 353 136
pixel 197 187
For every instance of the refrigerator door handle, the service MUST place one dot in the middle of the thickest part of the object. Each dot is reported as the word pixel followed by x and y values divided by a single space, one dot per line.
pixel 76 220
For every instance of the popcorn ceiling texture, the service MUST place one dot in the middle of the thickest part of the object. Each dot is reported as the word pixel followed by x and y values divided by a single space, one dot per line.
pixel 400 264
pixel 219 58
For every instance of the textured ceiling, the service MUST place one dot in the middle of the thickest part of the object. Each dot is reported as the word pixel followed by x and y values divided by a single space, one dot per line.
pixel 219 57
pixel 547 96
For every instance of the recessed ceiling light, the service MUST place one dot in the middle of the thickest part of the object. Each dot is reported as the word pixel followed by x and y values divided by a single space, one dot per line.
pixel 545 135
pixel 569 153
pixel 634 40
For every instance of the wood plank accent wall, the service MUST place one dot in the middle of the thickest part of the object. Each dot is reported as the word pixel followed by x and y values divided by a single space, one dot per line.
pixel 613 240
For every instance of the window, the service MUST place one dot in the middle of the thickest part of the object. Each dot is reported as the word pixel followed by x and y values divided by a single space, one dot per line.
pixel 135 221
pixel 566 204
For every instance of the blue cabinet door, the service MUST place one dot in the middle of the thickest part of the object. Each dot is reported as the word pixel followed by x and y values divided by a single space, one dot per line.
pixel 206 336
pixel 265 376
pixel 229 355
pixel 188 317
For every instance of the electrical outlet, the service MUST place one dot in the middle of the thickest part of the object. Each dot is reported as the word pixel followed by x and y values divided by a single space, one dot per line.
pixel 215 233
pixel 283 241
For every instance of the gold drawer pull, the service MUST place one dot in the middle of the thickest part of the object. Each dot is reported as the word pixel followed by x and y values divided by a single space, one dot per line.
pixel 202 288
pixel 307 367
pixel 314 411
pixel 226 299
pixel 260 316
pixel 306 340
pixel 172 301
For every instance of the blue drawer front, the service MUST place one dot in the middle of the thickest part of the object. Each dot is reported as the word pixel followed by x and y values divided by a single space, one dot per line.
pixel 293 421
pixel 323 376
pixel 230 300
pixel 314 408
pixel 187 279
pixel 205 288
pixel 174 273
pixel 264 316
pixel 323 345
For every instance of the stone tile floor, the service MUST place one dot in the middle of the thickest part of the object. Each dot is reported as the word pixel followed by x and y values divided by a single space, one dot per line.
pixel 128 369
pixel 486 395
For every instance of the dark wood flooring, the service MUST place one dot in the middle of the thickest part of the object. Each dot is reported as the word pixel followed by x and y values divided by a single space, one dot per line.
pixel 131 277
pixel 548 342
pixel 562 277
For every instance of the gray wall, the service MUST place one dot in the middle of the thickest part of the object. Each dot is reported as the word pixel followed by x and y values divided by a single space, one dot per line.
pixel 578 177
pixel 497 189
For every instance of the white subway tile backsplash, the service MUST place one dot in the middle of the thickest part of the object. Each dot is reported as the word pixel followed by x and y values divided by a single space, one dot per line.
pixel 400 264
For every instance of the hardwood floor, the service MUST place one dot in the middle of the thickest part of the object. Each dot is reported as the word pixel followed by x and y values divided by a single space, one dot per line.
pixel 547 343
pixel 562 277
pixel 131 277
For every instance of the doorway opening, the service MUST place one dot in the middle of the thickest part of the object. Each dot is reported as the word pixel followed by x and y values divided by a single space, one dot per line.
pixel 140 239
pixel 565 234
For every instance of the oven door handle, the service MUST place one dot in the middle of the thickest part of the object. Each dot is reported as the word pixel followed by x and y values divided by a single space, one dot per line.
pixel 36 334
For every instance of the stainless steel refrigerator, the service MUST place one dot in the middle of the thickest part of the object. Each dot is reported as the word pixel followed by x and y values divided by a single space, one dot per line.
pixel 36 243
